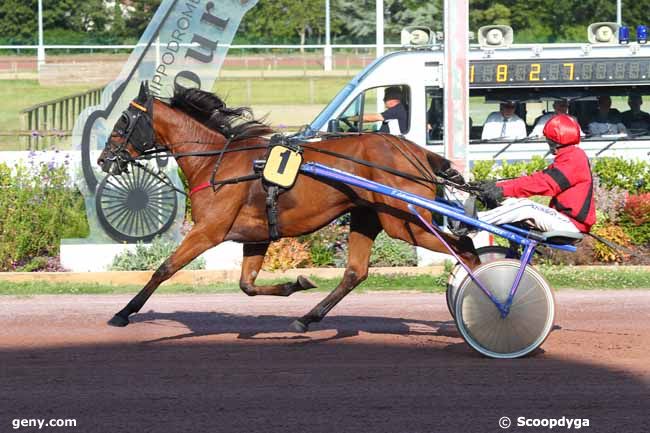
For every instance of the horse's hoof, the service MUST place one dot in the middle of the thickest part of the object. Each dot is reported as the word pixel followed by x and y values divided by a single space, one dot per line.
pixel 305 283
pixel 119 321
pixel 298 326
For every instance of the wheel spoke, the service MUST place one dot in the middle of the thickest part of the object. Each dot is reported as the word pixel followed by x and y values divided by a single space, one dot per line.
pixel 111 194
pixel 116 186
pixel 154 218
pixel 148 220
pixel 112 205
pixel 150 180
pixel 118 223
pixel 109 215
pixel 122 181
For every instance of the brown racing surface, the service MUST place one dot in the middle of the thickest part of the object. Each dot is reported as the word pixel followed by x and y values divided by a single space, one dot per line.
pixel 381 362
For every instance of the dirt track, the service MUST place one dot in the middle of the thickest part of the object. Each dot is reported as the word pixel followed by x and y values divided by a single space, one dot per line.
pixel 380 363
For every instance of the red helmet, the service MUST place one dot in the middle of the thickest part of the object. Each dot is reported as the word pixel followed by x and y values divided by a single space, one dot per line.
pixel 563 130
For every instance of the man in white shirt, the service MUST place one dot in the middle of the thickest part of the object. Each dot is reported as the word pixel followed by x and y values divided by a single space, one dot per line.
pixel 560 107
pixel 504 124
pixel 607 120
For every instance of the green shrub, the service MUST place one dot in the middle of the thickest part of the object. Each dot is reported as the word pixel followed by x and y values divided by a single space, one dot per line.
pixel 483 170
pixel 639 234
pixel 38 207
pixel 327 244
pixel 392 252
pixel 150 257
pixel 630 175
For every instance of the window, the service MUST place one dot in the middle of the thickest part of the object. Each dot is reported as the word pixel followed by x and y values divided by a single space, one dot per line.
pixel 365 112
pixel 435 117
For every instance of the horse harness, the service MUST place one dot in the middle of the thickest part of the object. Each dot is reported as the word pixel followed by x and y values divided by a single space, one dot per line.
pixel 280 167
pixel 278 170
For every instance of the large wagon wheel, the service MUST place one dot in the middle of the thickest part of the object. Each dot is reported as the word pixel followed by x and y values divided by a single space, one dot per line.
pixel 136 206
pixel 526 326
pixel 485 254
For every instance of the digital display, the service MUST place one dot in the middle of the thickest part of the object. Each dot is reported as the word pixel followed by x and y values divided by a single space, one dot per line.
pixel 545 73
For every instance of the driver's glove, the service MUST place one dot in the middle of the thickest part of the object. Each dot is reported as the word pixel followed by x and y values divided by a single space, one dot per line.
pixel 452 175
pixel 489 193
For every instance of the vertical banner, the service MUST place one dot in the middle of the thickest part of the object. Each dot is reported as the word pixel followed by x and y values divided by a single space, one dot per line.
pixel 456 83
pixel 186 42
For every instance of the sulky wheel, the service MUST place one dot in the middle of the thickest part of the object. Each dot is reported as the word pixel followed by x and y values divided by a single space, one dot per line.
pixel 486 254
pixel 526 326
pixel 136 206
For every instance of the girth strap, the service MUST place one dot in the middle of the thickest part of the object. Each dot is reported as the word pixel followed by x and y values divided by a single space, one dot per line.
pixel 272 193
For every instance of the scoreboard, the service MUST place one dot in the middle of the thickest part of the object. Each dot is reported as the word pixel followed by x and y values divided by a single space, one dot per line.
pixel 553 72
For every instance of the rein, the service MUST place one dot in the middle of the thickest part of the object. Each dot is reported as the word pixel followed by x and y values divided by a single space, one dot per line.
pixel 425 181
pixel 420 180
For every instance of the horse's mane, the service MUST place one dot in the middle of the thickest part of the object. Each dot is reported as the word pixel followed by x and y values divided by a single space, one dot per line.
pixel 207 108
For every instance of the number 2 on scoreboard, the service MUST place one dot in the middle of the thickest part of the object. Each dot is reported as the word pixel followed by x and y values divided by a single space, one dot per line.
pixel 535 69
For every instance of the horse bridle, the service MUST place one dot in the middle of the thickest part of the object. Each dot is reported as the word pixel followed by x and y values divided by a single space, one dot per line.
pixel 140 137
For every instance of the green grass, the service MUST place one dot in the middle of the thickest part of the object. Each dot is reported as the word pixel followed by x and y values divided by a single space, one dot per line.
pixel 279 91
pixel 17 95
pixel 558 277
pixel 593 278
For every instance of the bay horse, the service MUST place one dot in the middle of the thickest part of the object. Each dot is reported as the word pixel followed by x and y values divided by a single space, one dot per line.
pixel 198 122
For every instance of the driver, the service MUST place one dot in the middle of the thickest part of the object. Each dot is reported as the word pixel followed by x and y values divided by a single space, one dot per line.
pixel 567 180
pixel 394 110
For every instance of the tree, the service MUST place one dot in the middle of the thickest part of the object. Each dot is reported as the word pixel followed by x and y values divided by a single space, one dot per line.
pixel 18 21
pixel 359 17
pixel 86 16
pixel 140 14
pixel 284 20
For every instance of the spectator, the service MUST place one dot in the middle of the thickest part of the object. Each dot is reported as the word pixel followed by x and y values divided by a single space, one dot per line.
pixel 504 124
pixel 561 106
pixel 607 120
pixel 634 118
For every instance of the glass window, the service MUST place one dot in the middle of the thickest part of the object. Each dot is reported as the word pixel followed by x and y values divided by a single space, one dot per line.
pixel 383 109
pixel 435 117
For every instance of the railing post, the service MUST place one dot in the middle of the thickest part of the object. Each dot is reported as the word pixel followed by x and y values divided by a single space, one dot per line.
pixel 61 116
pixel 31 128
pixel 36 128
pixel 64 105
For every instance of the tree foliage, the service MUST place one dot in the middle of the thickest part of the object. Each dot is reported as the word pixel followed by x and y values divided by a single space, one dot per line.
pixel 303 21
pixel 359 17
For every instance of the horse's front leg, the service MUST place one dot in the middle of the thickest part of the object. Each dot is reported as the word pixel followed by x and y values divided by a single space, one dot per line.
pixel 195 243
pixel 250 269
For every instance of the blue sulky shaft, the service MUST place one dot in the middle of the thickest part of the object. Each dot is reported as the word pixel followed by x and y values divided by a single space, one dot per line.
pixel 323 171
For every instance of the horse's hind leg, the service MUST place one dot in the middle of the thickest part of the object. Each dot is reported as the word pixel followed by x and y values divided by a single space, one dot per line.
pixel 253 259
pixel 195 243
pixel 364 228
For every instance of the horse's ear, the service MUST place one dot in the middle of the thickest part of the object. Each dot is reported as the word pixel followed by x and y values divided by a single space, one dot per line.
pixel 144 92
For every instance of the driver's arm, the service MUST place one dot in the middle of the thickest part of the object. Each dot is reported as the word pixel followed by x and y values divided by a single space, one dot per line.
pixel 367 118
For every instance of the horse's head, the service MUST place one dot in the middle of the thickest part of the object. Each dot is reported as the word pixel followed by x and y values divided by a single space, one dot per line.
pixel 132 135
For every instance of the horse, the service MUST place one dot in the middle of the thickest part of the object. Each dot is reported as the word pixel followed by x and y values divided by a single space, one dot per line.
pixel 214 144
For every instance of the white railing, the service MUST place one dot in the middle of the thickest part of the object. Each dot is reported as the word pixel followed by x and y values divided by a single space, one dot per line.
pixel 234 47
